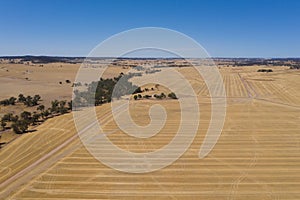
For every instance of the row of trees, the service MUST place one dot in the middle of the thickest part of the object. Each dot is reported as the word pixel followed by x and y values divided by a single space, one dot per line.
pixel 10 101
pixel 20 123
pixel 28 101
pixel 171 95
pixel 265 70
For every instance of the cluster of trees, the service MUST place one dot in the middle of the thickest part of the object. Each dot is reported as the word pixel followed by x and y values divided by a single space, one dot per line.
pixel 171 95
pixel 28 101
pixel 100 92
pixel 265 70
pixel 10 101
pixel 20 123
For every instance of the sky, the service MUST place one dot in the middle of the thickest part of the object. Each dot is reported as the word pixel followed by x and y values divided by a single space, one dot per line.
pixel 228 28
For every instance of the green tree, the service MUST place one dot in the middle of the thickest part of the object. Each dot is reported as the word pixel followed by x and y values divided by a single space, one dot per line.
pixel 20 126
pixel 172 95
pixel 21 98
pixel 35 118
pixel 54 106
pixel 14 118
pixel 41 108
pixel 36 99
pixel 62 109
pixel 26 116
pixel 28 102
pixel 70 103
pixel 3 124
pixel 7 117
pixel 12 100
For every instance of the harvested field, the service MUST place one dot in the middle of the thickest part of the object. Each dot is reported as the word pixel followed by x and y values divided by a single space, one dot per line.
pixel 256 157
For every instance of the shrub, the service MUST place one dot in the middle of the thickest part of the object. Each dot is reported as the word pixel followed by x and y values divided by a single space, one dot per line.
pixel 172 95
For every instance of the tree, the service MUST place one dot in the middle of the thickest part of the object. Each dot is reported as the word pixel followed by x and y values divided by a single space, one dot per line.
pixel 5 102
pixel 20 126
pixel 28 101
pixel 70 103
pixel 3 124
pixel 135 97
pixel 172 95
pixel 26 117
pixel 62 109
pixel 54 106
pixel 36 99
pixel 41 108
pixel 147 96
pixel 35 118
pixel 45 113
pixel 7 117
pixel 12 100
pixel 138 90
pixel 21 98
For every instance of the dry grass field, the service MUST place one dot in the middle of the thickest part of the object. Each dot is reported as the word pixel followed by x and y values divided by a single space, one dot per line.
pixel 256 157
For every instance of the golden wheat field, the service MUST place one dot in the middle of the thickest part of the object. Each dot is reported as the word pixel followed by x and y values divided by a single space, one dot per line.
pixel 256 157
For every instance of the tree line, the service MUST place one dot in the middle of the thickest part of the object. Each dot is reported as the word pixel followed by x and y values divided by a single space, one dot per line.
pixel 20 123
pixel 171 95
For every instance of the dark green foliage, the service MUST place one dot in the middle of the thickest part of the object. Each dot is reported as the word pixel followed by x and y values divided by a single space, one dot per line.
pixel 41 108
pixel 161 96
pixel 54 106
pixel 147 96
pixel 45 113
pixel 26 116
pixel 4 102
pixel 172 95
pixel 138 90
pixel 10 101
pixel 21 98
pixel 70 103
pixel 35 118
pixel 20 126
pixel 3 124
pixel 62 109
pixel 7 117
pixel 265 70
pixel 102 91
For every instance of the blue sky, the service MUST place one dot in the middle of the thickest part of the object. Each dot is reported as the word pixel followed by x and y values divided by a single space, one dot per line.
pixel 229 28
